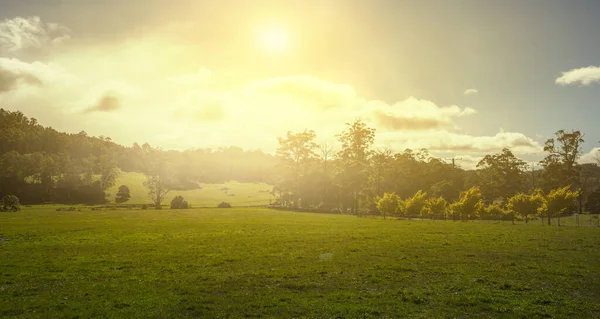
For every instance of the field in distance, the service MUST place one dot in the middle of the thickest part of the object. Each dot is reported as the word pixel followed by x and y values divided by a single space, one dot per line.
pixel 210 195
pixel 217 263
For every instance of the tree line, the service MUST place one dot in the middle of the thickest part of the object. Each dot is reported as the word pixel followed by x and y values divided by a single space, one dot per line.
pixel 361 179
pixel 41 165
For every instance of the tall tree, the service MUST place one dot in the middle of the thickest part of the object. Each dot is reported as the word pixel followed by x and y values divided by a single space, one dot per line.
pixel 158 175
pixel 501 175
pixel 108 171
pixel 560 165
pixel 354 158
pixel 380 168
pixel 326 156
pixel 157 190
pixel 296 151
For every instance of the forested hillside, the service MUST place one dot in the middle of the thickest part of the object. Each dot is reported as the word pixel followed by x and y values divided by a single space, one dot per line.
pixel 41 165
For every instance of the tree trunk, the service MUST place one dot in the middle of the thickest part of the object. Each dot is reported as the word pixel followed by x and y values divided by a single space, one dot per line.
pixel 526 219
pixel 549 221
pixel 356 209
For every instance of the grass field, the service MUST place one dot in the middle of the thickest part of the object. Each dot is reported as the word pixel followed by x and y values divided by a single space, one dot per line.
pixel 238 194
pixel 232 263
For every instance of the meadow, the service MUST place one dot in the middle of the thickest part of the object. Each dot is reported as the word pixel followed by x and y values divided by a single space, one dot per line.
pixel 209 195
pixel 251 263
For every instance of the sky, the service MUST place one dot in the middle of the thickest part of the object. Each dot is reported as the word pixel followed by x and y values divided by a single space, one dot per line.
pixel 460 78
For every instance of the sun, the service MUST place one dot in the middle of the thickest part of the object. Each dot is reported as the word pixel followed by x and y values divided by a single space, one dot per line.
pixel 275 40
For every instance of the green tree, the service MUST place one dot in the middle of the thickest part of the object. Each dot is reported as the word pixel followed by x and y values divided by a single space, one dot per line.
pixel 380 166
pixel 325 175
pixel 593 202
pixel 415 204
pixel 296 151
pixel 560 165
pixel 436 208
pixel 495 211
pixel 446 189
pixel 501 175
pixel 354 158
pixel 123 194
pixel 157 190
pixel 388 204
pixel 557 202
pixel 469 204
pixel 108 171
pixel 158 175
pixel 525 205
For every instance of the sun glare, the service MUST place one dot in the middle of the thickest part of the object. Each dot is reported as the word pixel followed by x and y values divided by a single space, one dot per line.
pixel 275 40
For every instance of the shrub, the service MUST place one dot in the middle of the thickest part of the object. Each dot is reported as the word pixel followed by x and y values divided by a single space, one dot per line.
pixel 224 205
pixel 435 208
pixel 10 203
pixel 179 203
pixel 468 206
pixel 415 204
pixel 496 212
pixel 123 194
pixel 144 206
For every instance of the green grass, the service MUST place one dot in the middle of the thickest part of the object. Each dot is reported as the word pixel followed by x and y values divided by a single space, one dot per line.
pixel 236 263
pixel 239 194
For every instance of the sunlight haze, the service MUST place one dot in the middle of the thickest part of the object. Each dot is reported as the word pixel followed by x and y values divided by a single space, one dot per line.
pixel 299 159
pixel 275 40
pixel 196 74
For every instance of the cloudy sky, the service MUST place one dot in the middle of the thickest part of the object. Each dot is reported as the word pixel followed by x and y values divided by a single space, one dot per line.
pixel 461 78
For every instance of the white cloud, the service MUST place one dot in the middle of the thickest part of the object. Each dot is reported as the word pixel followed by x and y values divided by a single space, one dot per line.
pixel 583 76
pixel 21 34
pixel 466 161
pixel 12 79
pixel 592 156
pixel 455 142
pixel 471 91
pixel 15 74
pixel 415 114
